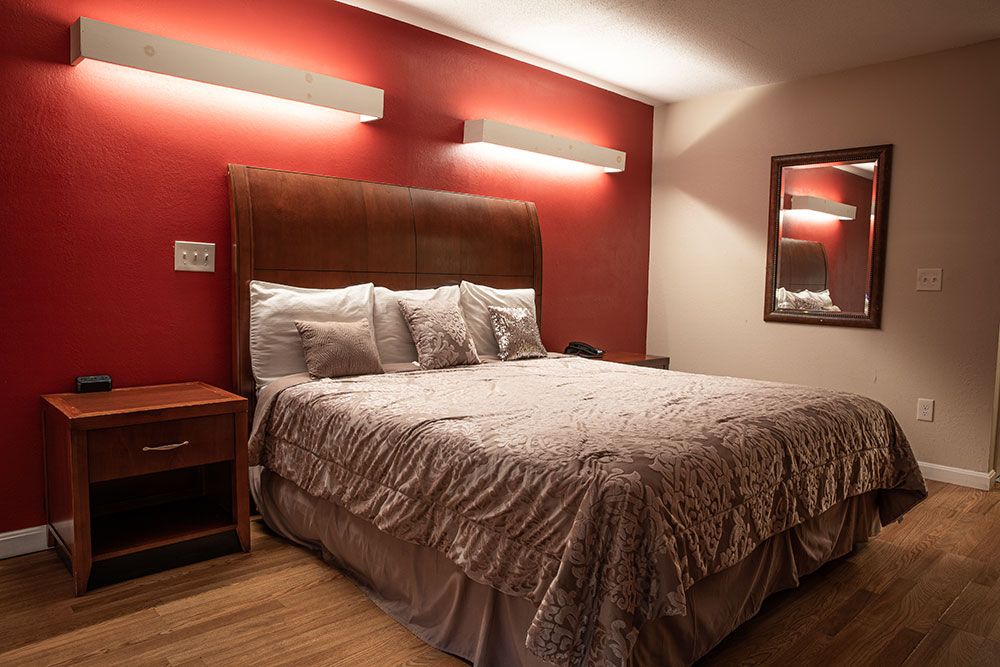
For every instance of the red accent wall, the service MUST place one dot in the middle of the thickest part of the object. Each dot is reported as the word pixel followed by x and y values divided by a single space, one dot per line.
pixel 846 241
pixel 105 167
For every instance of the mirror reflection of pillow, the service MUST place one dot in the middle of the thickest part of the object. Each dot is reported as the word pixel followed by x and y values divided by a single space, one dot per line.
pixel 804 300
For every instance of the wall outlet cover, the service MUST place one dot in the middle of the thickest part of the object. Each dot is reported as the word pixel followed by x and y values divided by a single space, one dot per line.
pixel 929 280
pixel 925 409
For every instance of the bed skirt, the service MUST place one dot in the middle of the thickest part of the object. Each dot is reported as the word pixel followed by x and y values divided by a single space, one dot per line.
pixel 433 598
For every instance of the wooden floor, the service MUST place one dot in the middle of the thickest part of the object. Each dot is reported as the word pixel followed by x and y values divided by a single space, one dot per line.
pixel 925 592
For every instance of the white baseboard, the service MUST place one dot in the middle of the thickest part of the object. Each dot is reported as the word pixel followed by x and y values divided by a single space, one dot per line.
pixel 24 541
pixel 971 478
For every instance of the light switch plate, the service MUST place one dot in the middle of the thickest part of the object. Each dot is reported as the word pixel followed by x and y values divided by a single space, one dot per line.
pixel 194 256
pixel 928 280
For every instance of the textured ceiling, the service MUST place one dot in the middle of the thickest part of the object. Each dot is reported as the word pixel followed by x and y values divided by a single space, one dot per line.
pixel 667 50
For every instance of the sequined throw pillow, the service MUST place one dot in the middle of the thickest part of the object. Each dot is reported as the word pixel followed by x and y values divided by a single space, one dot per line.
pixel 517 333
pixel 336 349
pixel 439 333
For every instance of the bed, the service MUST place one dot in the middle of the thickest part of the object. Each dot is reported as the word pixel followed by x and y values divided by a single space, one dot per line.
pixel 543 511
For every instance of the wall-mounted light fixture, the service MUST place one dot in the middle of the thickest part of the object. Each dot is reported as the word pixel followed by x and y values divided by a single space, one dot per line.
pixel 830 207
pixel 492 132
pixel 97 40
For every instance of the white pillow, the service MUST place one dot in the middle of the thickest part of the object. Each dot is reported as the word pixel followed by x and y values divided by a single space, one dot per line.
pixel 476 299
pixel 275 345
pixel 395 344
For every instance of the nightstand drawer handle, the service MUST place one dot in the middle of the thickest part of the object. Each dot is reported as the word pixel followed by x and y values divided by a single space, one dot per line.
pixel 163 448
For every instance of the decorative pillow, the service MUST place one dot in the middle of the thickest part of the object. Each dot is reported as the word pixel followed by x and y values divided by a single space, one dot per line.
pixel 275 345
pixel 395 345
pixel 439 333
pixel 336 349
pixel 476 299
pixel 516 332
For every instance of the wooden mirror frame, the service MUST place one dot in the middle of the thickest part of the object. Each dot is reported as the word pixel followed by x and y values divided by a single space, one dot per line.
pixel 883 155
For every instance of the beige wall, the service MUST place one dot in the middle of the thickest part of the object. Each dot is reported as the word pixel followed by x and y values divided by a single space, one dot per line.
pixel 711 165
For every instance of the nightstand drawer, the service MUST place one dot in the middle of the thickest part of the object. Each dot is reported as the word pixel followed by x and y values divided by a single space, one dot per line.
pixel 144 448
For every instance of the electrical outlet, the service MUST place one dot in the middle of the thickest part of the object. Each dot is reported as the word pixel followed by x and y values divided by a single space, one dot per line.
pixel 193 256
pixel 925 409
pixel 928 280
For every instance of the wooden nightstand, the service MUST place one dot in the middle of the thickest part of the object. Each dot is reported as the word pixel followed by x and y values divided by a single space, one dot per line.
pixel 636 359
pixel 135 469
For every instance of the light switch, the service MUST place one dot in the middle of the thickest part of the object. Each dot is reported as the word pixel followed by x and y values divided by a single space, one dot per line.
pixel 194 256
pixel 928 280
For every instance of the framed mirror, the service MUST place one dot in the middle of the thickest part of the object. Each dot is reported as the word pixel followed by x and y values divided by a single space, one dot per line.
pixel 826 237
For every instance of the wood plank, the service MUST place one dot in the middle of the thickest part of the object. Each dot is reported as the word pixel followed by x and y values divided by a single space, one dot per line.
pixel 947 647
pixel 898 648
pixel 87 644
pixel 987 503
pixel 845 613
pixel 976 610
pixel 890 596
pixel 915 597
pixel 230 610
pixel 951 497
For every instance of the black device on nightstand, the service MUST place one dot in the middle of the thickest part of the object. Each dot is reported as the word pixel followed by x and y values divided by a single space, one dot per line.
pixel 585 350
pixel 88 383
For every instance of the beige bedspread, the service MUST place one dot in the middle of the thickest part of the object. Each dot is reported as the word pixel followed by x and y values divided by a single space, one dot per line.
pixel 598 491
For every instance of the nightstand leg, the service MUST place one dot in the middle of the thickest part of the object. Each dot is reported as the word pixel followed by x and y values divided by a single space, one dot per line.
pixel 82 544
pixel 241 482
pixel 81 575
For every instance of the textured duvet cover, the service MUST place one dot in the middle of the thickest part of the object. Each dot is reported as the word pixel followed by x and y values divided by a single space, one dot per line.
pixel 601 492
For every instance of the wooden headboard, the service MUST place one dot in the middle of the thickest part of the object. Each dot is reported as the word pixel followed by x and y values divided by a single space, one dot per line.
pixel 321 231
pixel 802 265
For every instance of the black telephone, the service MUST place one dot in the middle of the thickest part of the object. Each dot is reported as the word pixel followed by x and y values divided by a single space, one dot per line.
pixel 583 350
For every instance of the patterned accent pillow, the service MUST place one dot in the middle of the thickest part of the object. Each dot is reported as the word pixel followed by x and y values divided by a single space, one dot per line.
pixel 336 349
pixel 439 332
pixel 516 332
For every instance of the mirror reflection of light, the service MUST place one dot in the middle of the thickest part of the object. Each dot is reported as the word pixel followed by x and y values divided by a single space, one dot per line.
pixel 806 215
pixel 821 205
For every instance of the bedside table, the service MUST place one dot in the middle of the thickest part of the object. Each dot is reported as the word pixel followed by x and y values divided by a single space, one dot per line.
pixel 637 359
pixel 139 468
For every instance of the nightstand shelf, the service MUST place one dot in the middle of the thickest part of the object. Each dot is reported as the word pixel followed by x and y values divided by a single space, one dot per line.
pixel 140 469
pixel 131 531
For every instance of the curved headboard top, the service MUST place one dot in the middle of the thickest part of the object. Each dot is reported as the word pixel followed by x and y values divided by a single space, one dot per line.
pixel 802 265
pixel 323 231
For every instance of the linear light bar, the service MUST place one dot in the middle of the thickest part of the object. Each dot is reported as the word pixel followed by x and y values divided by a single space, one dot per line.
pixel 122 46
pixel 810 203
pixel 492 132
